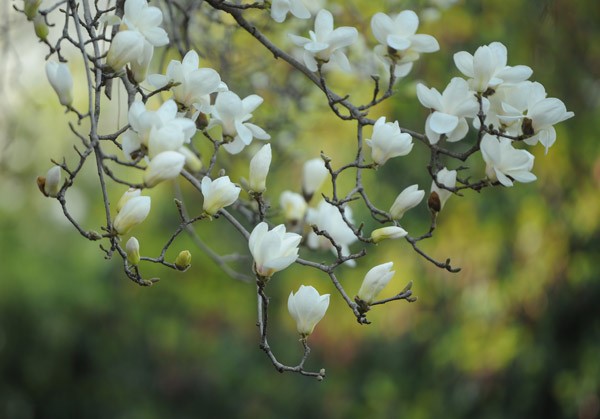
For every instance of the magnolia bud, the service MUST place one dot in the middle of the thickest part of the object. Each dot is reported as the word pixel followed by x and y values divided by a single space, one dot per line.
pixel 164 166
pixel 384 233
pixel 50 185
pixel 375 280
pixel 135 210
pixel 30 7
pixel 40 27
pixel 293 205
pixel 183 260
pixel 307 308
pixel 130 193
pixel 407 199
pixel 60 78
pixel 444 177
pixel 139 66
pixel 314 173
pixel 259 168
pixel 132 247
pixel 192 162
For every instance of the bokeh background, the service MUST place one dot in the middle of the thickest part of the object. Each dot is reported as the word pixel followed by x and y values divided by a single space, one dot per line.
pixel 515 334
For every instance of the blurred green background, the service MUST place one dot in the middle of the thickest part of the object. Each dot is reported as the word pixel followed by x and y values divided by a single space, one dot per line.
pixel 515 334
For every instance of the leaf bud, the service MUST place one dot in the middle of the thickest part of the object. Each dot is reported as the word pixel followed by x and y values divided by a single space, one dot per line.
pixel 183 260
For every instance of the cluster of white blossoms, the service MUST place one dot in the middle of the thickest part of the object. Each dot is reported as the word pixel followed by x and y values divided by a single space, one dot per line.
pixel 500 96
pixel 497 100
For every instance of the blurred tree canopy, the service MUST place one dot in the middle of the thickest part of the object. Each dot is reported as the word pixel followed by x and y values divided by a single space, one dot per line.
pixel 515 334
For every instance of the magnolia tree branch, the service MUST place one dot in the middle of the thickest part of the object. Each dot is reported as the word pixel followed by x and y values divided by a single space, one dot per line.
pixel 186 124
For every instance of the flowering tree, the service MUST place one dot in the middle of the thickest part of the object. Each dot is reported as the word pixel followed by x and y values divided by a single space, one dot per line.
pixel 188 125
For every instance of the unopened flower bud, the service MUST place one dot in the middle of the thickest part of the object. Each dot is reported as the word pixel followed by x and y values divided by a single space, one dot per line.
pixel 259 168
pixel 444 177
pixel 132 247
pixel 40 27
pixel 384 233
pixel 192 162
pixel 30 7
pixel 218 193
pixel 307 308
pixel 135 210
pixel 183 260
pixel 314 173
pixel 407 199
pixel 375 281
pixel 130 193
pixel 164 166
pixel 61 80
pixel 50 185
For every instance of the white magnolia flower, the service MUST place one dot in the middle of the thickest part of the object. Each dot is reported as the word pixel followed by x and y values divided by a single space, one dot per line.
pixel 409 198
pixel 325 43
pixel 505 163
pixel 125 47
pixel 487 69
pixel 52 182
pixel 450 109
pixel 218 193
pixel 132 248
pixel 307 308
pixel 280 9
pixel 538 115
pixel 272 250
pixel 158 131
pixel 327 217
pixel 390 232
pixel 164 166
pixel 259 169
pixel 194 84
pixel 447 178
pixel 135 210
pixel 232 114
pixel 375 280
pixel 399 42
pixel 314 174
pixel 140 17
pixel 388 141
pixel 139 67
pixel 293 206
pixel 61 81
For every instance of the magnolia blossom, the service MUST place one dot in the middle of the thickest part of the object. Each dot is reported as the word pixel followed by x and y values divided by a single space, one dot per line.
pixel 399 43
pixel 325 43
pixel 218 193
pixel 375 280
pixel 280 9
pixel 327 217
pixel 537 114
pixel 293 206
pixel 139 34
pixel 232 114
pixel 194 85
pixel 164 166
pixel 487 67
pixel 409 198
pixel 156 131
pixel 61 81
pixel 132 248
pixel 391 232
pixel 307 308
pixel 450 109
pixel 388 141
pixel 259 169
pixel 272 250
pixel 447 178
pixel 134 211
pixel 505 163
pixel 52 182
pixel 314 174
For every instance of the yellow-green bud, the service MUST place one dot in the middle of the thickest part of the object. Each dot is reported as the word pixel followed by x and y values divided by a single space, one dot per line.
pixel 183 260
pixel 30 7
pixel 133 251
pixel 384 233
pixel 40 27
